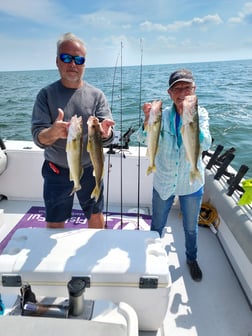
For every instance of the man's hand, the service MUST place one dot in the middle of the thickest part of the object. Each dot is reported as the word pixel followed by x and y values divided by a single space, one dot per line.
pixel 58 130
pixel 106 128
pixel 60 127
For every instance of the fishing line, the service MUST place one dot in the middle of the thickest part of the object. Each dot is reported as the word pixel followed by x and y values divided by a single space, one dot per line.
pixel 111 148
pixel 139 125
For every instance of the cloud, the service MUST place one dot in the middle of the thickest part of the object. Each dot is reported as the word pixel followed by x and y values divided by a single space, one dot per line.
pixel 245 16
pixel 177 25
pixel 40 11
pixel 107 19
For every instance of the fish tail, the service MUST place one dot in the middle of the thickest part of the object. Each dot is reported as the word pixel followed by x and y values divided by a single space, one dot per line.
pixel 151 169
pixel 195 175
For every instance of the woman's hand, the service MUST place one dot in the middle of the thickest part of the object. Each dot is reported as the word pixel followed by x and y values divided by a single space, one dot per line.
pixel 146 109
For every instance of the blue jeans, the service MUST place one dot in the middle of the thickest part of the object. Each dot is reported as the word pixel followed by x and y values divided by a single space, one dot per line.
pixel 190 208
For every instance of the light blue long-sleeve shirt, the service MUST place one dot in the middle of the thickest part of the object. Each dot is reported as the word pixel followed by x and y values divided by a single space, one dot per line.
pixel 173 168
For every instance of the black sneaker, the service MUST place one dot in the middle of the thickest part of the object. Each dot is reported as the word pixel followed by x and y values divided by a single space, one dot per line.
pixel 195 270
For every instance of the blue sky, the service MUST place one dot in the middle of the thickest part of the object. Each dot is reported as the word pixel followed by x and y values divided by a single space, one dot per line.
pixel 170 31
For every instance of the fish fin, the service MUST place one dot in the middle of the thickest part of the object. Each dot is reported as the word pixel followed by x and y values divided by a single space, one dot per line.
pixel 151 169
pixel 71 177
pixel 96 193
pixel 77 188
pixel 88 147
pixel 82 172
pixel 195 175
pixel 147 152
pixel 93 172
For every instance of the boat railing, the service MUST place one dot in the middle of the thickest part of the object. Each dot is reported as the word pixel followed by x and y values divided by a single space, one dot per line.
pixel 229 178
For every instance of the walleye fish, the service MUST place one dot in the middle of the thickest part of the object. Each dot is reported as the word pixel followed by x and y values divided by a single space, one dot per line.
pixel 95 149
pixel 74 151
pixel 190 134
pixel 153 132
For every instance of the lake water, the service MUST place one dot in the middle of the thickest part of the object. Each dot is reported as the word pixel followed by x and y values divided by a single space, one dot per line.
pixel 223 88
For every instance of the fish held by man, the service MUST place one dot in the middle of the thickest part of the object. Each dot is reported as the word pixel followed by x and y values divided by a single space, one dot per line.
pixel 190 135
pixel 95 149
pixel 74 148
pixel 153 131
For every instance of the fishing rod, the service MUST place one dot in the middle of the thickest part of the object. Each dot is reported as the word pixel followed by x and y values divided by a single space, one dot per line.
pixel 110 151
pixel 121 127
pixel 139 125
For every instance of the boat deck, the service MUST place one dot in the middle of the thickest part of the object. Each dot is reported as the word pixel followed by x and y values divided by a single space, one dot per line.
pixel 214 306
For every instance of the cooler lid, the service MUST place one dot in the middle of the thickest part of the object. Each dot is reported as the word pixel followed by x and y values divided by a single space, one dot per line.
pixel 114 257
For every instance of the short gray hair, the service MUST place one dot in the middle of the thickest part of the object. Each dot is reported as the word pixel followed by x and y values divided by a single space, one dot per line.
pixel 69 37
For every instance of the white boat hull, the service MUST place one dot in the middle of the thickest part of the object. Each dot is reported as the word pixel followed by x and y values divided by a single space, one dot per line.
pixel 194 309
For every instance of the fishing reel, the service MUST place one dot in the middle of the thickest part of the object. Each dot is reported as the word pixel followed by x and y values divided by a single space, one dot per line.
pixel 121 142
pixel 126 137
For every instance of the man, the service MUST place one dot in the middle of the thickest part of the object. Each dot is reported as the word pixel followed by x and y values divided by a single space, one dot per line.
pixel 53 109
pixel 172 177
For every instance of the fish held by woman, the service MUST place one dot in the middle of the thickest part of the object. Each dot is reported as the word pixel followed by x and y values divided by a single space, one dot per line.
pixel 153 131
pixel 74 148
pixel 190 134
pixel 95 149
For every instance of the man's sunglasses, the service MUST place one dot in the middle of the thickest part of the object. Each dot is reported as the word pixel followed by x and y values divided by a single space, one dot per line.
pixel 79 60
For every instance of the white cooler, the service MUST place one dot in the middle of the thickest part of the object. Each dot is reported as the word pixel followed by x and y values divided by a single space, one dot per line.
pixel 117 265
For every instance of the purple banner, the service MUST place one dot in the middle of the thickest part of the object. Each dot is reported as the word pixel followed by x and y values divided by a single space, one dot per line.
pixel 35 218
